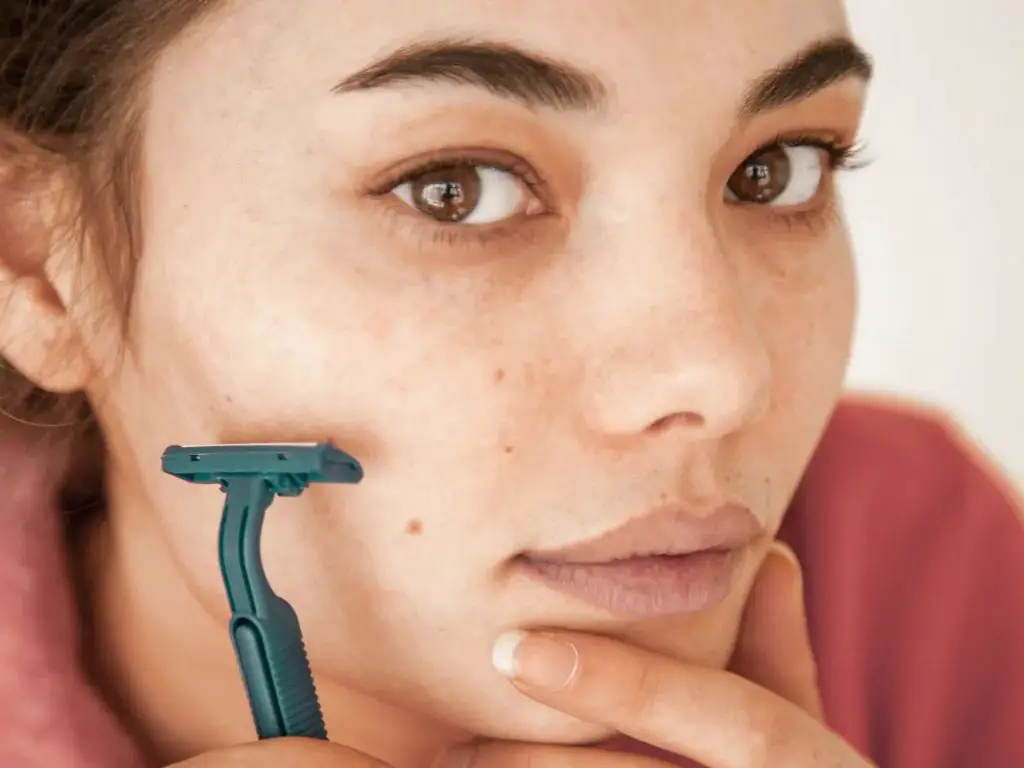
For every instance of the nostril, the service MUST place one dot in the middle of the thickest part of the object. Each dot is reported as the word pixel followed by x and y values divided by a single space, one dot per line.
pixel 687 419
pixel 692 419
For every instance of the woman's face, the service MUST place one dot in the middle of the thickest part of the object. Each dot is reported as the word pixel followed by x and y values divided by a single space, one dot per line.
pixel 514 257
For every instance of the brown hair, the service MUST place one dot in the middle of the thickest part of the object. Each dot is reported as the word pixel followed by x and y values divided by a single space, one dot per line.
pixel 73 76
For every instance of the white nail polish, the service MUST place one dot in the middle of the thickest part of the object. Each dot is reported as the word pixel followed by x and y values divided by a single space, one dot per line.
pixel 503 655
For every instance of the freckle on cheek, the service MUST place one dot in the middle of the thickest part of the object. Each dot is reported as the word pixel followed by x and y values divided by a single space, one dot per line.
pixel 414 527
pixel 510 449
pixel 499 375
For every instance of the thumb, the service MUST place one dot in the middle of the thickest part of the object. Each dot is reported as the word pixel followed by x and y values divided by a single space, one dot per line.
pixel 774 647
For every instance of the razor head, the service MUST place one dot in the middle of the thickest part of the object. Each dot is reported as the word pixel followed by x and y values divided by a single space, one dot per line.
pixel 286 467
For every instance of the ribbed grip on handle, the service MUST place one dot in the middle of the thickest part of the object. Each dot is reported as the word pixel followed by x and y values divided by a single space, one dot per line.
pixel 279 682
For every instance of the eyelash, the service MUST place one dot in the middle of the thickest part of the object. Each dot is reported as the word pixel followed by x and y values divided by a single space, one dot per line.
pixel 840 157
pixel 518 168
pixel 454 235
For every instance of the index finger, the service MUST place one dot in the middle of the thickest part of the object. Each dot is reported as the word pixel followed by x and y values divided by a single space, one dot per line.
pixel 714 717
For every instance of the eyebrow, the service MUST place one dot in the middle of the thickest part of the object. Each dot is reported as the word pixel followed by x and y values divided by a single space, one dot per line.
pixel 540 82
pixel 813 70
pixel 504 70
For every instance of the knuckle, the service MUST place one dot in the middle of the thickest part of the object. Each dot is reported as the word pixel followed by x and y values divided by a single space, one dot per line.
pixel 644 691
pixel 767 740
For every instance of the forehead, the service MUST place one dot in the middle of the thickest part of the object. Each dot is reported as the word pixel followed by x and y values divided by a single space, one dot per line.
pixel 693 52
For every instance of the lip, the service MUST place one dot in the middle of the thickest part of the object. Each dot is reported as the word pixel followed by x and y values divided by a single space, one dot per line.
pixel 672 560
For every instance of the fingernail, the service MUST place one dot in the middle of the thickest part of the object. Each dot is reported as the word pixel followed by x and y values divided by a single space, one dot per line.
pixel 536 660
pixel 783 550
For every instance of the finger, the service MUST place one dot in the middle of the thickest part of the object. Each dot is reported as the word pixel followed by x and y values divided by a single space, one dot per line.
pixel 774 648
pixel 273 753
pixel 716 718
pixel 519 755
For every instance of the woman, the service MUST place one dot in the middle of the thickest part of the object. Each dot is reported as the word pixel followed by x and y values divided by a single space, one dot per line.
pixel 571 281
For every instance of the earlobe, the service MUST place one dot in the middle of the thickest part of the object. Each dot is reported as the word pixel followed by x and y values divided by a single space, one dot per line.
pixel 38 337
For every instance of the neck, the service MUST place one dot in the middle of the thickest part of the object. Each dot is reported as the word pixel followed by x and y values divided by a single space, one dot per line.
pixel 167 666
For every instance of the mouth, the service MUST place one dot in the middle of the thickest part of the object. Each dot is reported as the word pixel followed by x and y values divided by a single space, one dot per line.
pixel 670 561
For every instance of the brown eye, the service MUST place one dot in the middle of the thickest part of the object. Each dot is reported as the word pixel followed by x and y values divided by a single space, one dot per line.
pixel 447 194
pixel 463 193
pixel 780 176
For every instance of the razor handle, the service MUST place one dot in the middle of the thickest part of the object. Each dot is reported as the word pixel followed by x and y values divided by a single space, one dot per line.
pixel 264 629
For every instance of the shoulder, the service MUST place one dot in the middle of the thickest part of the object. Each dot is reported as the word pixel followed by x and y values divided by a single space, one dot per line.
pixel 896 493
pixel 892 436
pixel 892 468
pixel 49 714
pixel 912 544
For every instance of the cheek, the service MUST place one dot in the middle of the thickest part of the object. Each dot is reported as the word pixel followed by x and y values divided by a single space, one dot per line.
pixel 806 318
pixel 414 385
pixel 811 327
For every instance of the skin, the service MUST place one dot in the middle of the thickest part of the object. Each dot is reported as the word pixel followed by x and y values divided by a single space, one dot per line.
pixel 640 341
pixel 764 711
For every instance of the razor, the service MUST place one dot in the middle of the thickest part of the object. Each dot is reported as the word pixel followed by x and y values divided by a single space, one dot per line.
pixel 264 629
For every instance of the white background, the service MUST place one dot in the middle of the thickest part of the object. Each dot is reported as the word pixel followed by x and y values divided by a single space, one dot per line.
pixel 938 219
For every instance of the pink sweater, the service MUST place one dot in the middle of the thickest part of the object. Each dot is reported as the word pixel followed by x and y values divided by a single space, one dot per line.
pixel 914 560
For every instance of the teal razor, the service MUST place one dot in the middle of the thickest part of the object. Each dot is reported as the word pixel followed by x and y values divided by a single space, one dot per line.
pixel 264 628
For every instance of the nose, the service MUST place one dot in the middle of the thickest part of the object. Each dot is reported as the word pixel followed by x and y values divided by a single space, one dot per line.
pixel 676 345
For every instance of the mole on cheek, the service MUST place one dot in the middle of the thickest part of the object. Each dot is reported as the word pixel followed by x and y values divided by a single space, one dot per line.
pixel 499 375
pixel 414 527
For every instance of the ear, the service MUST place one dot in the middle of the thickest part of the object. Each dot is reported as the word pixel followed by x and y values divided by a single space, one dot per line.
pixel 37 334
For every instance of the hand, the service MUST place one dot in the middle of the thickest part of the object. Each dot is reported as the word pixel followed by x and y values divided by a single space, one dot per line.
pixel 274 753
pixel 764 713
